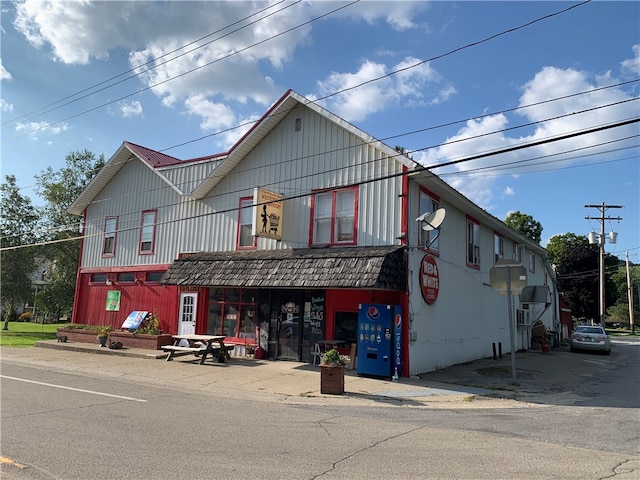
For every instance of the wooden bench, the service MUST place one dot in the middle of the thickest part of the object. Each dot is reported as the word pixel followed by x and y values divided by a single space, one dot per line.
pixel 215 352
pixel 175 350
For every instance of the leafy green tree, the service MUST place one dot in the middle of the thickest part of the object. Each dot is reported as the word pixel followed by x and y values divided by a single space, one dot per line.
pixel 620 311
pixel 18 227
pixel 525 225
pixel 59 190
pixel 577 266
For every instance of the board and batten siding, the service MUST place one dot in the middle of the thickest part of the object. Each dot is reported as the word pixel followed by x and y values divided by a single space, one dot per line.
pixel 294 162
pixel 137 188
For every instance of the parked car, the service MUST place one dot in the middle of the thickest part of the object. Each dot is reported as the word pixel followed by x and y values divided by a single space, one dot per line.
pixel 590 337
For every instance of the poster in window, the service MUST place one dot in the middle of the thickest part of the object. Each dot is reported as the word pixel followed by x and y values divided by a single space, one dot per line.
pixel 113 300
pixel 267 220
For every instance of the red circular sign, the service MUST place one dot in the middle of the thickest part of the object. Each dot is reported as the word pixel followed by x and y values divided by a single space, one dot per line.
pixel 429 279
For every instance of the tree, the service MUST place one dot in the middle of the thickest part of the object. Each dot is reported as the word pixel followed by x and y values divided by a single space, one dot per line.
pixel 59 189
pixel 620 311
pixel 18 227
pixel 525 225
pixel 577 265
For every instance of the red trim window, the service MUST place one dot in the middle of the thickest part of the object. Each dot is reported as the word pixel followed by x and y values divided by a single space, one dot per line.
pixel 335 216
pixel 245 239
pixel 473 243
pixel 498 247
pixel 429 203
pixel 517 252
pixel 532 262
pixel 148 232
pixel 110 235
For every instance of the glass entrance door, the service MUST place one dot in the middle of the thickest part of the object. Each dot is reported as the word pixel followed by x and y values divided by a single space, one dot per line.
pixel 289 326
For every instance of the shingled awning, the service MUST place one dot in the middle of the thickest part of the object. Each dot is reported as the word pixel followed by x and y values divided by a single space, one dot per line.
pixel 379 268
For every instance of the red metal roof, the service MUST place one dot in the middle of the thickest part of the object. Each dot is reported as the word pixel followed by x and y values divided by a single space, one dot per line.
pixel 153 158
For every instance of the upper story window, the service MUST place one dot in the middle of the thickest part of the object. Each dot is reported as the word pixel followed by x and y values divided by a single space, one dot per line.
pixel 473 242
pixel 245 220
pixel 498 247
pixel 334 217
pixel 429 203
pixel 532 262
pixel 517 252
pixel 109 241
pixel 148 232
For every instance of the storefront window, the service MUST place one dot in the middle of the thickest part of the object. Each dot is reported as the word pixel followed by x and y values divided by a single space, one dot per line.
pixel 232 312
pixel 347 326
pixel 230 323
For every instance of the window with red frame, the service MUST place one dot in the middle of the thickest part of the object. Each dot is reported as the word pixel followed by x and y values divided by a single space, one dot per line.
pixel 473 242
pixel 109 241
pixel 429 239
pixel 498 247
pixel 334 217
pixel 148 232
pixel 517 252
pixel 245 221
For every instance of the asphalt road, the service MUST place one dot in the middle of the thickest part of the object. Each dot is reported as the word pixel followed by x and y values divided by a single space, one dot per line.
pixel 62 425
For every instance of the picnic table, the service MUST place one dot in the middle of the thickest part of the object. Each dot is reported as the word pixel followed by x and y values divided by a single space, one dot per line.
pixel 200 345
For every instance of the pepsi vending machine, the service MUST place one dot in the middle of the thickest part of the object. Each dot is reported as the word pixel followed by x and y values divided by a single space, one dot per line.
pixel 379 339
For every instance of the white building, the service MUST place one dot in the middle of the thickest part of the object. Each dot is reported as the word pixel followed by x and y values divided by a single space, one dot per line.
pixel 305 218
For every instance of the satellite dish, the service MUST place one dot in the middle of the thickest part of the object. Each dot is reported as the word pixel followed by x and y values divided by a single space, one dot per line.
pixel 433 220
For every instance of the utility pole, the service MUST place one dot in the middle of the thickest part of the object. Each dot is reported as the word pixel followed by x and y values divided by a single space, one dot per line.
pixel 601 240
pixel 630 298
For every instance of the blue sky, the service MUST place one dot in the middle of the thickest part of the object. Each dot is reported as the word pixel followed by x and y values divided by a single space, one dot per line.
pixel 72 78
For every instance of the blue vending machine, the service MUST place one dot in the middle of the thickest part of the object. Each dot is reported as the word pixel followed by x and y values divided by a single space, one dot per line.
pixel 379 340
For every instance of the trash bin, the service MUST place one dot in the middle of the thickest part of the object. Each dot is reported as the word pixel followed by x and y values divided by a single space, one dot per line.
pixel 554 338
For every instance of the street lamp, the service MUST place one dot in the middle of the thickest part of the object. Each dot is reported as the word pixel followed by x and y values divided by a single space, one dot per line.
pixel 600 239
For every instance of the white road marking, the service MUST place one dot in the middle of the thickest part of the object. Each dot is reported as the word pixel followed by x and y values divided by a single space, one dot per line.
pixel 74 389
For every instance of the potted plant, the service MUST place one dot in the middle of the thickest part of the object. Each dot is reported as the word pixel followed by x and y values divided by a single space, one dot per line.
pixel 332 372
pixel 103 334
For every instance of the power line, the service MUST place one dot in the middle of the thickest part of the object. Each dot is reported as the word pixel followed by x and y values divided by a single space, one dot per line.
pixel 469 45
pixel 521 162
pixel 347 185
pixel 235 52
pixel 486 115
pixel 39 111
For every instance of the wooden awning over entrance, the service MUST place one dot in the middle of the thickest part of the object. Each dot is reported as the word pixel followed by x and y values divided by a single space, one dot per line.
pixel 376 268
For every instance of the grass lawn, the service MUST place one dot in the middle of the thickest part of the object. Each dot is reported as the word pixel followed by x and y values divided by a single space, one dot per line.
pixel 26 334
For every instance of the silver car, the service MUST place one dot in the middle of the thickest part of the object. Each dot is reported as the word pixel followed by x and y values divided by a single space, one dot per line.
pixel 590 337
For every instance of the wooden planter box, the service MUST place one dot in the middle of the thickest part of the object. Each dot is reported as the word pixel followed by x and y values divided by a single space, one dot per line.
pixel 332 380
pixel 128 339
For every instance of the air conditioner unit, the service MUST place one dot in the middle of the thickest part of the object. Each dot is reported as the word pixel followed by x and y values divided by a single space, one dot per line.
pixel 522 317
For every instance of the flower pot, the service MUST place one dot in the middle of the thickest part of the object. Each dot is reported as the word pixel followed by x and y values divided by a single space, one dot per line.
pixel 332 379
pixel 103 340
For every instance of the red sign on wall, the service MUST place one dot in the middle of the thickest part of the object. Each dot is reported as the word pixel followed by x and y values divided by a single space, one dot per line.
pixel 429 279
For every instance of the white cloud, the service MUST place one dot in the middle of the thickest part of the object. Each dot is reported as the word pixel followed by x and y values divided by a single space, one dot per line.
pixel 406 86
pixel 509 192
pixel 398 15
pixel 631 66
pixel 215 116
pixel 476 178
pixel 34 128
pixel 130 108
pixel 4 73
pixel 5 106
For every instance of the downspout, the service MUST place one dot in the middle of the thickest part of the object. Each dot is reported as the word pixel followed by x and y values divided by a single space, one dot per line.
pixel 404 222
pixel 76 296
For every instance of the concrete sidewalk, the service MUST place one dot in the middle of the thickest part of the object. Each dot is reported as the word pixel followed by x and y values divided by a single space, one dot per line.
pixel 483 383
